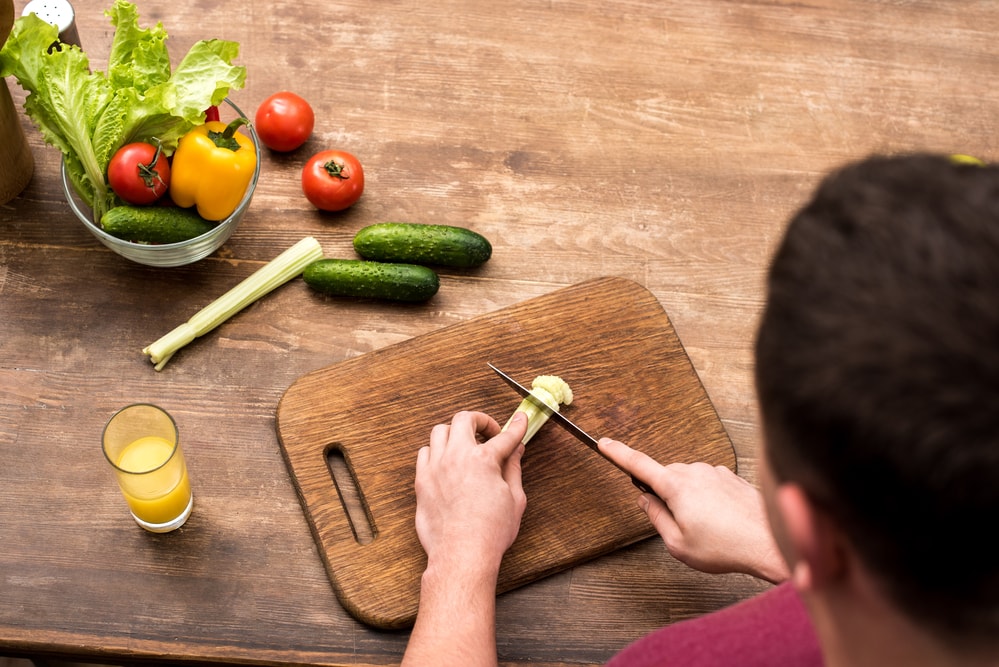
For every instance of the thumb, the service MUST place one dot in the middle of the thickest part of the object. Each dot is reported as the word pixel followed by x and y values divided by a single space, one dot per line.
pixel 510 437
pixel 516 426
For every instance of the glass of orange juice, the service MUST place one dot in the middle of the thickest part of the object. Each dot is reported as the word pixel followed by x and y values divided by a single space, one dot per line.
pixel 141 443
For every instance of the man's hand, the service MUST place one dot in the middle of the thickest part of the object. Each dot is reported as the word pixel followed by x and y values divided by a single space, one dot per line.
pixel 710 518
pixel 469 502
pixel 469 497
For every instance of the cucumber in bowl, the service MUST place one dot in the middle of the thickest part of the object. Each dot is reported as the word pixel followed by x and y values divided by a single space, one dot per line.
pixel 154 224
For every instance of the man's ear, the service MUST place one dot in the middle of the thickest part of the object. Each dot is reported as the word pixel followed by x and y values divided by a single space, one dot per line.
pixel 813 538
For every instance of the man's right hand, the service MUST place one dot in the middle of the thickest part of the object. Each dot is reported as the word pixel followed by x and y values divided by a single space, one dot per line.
pixel 710 518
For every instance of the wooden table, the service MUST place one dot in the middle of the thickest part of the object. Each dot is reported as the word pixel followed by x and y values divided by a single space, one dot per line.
pixel 663 142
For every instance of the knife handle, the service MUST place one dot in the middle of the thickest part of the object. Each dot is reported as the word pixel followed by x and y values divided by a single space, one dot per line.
pixel 642 486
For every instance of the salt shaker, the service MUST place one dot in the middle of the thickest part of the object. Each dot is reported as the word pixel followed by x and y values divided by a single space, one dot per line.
pixel 58 13
pixel 16 161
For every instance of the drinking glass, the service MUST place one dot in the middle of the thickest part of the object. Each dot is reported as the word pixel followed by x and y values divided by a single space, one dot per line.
pixel 141 443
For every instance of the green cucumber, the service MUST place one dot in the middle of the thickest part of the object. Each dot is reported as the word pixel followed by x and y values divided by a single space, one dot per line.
pixel 375 280
pixel 154 224
pixel 441 245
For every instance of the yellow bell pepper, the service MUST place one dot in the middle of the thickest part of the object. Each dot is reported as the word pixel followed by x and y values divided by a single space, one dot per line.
pixel 212 167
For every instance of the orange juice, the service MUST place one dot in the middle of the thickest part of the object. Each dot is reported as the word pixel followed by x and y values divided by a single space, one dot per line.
pixel 161 491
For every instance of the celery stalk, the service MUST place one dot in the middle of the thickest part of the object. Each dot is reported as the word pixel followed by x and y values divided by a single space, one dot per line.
pixel 552 391
pixel 272 275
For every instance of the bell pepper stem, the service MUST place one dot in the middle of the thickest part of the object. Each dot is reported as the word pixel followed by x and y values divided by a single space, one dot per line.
pixel 226 138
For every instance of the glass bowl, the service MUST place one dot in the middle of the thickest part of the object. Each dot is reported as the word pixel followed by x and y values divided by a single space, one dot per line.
pixel 170 254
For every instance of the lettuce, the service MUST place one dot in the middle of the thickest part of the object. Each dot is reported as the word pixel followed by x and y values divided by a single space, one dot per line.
pixel 88 115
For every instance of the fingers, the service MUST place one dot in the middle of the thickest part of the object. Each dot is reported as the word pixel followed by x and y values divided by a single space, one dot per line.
pixel 438 443
pixel 466 425
pixel 422 457
pixel 660 517
pixel 646 468
pixel 512 472
pixel 422 461
pixel 641 465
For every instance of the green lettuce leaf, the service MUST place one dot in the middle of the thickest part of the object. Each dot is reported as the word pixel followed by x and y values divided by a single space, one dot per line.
pixel 64 99
pixel 88 114
pixel 202 79
pixel 138 58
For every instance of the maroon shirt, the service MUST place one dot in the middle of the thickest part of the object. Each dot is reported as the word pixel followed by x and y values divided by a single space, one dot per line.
pixel 771 629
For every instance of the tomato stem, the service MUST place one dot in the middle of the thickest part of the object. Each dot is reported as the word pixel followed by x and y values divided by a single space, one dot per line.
pixel 148 171
pixel 335 170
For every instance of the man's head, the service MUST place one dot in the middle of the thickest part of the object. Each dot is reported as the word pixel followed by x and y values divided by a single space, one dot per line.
pixel 878 376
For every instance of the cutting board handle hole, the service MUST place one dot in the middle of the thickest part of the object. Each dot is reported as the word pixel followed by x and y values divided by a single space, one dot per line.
pixel 350 495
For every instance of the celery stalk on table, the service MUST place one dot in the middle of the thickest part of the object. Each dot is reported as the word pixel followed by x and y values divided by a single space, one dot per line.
pixel 272 275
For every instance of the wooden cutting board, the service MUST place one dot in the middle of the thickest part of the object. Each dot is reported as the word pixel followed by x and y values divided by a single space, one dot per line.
pixel 609 338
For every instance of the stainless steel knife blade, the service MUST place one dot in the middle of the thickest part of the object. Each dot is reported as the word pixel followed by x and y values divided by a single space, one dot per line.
pixel 566 423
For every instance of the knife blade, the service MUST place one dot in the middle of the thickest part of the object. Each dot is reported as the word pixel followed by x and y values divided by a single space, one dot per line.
pixel 566 423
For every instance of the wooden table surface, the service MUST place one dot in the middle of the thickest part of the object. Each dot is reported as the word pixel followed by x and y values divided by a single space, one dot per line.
pixel 664 142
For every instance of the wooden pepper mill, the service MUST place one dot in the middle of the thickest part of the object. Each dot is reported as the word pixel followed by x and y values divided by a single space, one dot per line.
pixel 16 160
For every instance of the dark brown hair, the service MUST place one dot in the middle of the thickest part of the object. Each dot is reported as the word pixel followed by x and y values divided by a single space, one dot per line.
pixel 878 378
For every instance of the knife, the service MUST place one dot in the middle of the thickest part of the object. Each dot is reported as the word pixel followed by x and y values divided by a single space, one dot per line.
pixel 567 424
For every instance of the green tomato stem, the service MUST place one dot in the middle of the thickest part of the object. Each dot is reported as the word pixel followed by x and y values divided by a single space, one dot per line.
pixel 335 170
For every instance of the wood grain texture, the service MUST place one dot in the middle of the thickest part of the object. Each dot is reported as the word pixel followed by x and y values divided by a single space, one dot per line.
pixel 662 142
pixel 608 338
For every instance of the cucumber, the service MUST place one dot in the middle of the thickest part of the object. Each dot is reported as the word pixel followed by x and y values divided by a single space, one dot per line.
pixel 442 245
pixel 375 280
pixel 154 224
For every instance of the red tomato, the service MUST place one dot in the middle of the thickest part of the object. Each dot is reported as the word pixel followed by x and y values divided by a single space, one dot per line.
pixel 332 180
pixel 284 121
pixel 139 173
